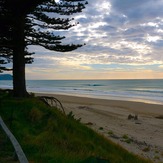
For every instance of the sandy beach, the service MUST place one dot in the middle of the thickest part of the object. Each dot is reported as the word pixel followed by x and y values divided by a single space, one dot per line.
pixel 136 126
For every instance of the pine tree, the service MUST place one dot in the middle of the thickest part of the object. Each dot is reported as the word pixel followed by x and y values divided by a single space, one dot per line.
pixel 5 57
pixel 28 23
pixel 5 51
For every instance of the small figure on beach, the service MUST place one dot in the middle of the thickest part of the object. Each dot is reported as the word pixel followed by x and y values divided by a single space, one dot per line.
pixel 132 117
pixel 136 117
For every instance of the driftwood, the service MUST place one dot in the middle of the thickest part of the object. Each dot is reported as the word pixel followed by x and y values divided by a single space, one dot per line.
pixel 21 156
pixel 50 101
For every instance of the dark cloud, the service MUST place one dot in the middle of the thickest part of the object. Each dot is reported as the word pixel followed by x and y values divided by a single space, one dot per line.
pixel 138 11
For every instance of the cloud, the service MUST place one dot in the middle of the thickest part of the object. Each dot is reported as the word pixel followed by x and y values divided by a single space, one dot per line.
pixel 118 32
pixel 138 11
pixel 161 66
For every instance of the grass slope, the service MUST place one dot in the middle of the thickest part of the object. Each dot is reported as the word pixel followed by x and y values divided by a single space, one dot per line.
pixel 48 136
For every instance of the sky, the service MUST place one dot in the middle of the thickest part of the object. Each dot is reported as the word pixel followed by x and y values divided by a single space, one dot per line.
pixel 124 40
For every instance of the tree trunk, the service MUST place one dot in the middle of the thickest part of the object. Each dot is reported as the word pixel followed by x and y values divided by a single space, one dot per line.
pixel 19 84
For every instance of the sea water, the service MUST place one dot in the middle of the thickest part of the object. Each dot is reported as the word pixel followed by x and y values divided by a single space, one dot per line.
pixel 135 90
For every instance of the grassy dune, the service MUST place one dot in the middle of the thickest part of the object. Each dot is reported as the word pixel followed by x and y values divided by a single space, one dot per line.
pixel 47 135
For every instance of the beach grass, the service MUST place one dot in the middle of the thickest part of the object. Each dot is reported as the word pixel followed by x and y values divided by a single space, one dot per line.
pixel 7 154
pixel 47 135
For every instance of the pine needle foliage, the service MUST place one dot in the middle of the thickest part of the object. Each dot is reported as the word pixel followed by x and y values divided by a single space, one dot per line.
pixel 40 24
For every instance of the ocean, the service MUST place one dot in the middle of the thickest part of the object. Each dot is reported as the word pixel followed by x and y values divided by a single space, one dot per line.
pixel 149 91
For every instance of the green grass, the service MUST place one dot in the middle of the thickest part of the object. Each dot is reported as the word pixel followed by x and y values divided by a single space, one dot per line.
pixel 46 135
pixel 7 154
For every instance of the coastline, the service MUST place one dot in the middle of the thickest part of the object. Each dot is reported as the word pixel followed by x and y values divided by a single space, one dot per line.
pixel 136 106
pixel 111 97
pixel 146 91
pixel 141 136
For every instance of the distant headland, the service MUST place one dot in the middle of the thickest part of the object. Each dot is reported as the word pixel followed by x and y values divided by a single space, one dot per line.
pixel 6 77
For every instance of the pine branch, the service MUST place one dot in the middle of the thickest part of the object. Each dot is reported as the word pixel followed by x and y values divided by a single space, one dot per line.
pixel 39 20
pixel 60 48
